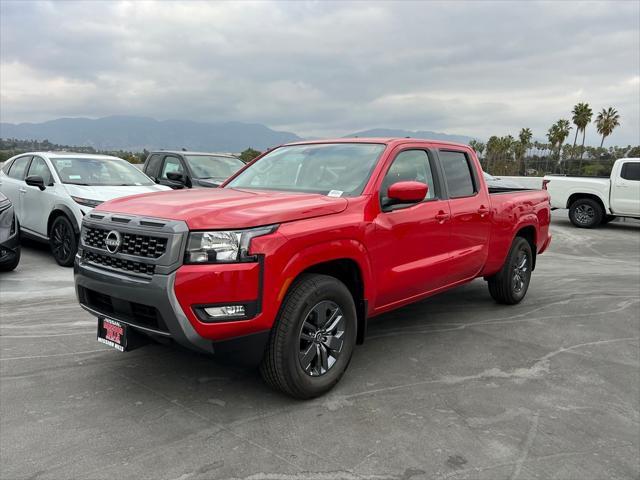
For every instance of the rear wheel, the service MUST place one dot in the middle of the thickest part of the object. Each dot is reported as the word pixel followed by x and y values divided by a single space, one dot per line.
pixel 586 213
pixel 510 284
pixel 63 241
pixel 313 339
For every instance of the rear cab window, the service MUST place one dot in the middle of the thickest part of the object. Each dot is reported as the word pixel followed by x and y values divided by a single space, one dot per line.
pixel 458 173
pixel 631 171
pixel 153 165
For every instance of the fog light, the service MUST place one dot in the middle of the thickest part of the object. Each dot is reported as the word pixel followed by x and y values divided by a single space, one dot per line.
pixel 226 311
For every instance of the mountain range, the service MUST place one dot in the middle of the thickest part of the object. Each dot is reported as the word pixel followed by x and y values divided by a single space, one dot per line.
pixel 137 133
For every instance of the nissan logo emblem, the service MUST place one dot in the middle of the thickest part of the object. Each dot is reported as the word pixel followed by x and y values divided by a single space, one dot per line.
pixel 112 241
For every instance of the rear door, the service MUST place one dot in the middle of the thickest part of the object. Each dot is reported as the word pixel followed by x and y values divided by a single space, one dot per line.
pixel 37 204
pixel 409 245
pixel 625 190
pixel 470 214
pixel 152 166
pixel 13 185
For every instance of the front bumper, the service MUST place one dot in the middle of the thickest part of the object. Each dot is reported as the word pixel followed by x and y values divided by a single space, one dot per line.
pixel 151 306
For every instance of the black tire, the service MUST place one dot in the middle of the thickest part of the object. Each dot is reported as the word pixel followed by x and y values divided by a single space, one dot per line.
pixel 510 284
pixel 63 241
pixel 282 367
pixel 7 267
pixel 586 213
pixel 608 218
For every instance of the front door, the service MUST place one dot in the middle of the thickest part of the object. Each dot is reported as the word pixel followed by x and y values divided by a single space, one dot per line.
pixel 625 190
pixel 37 203
pixel 410 243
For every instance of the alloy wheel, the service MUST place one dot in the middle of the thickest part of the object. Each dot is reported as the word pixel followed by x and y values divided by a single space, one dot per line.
pixel 520 272
pixel 321 338
pixel 61 241
pixel 585 214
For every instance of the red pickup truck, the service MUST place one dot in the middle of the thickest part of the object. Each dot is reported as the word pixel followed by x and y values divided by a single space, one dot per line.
pixel 285 263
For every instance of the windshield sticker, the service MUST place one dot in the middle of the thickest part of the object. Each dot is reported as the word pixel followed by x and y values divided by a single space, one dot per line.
pixel 335 193
pixel 75 177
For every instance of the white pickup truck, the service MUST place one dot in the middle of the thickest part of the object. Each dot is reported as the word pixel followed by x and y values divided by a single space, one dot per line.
pixel 592 201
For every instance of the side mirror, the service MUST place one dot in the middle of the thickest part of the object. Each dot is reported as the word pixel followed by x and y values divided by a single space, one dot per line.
pixel 406 192
pixel 35 181
pixel 178 179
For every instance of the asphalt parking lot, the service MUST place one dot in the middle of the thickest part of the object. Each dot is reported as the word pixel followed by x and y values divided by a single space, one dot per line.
pixel 452 387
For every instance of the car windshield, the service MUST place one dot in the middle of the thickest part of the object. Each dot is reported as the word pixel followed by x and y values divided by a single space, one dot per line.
pixel 341 169
pixel 213 166
pixel 99 172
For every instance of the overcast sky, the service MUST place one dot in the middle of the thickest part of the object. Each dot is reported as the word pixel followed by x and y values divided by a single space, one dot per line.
pixel 321 68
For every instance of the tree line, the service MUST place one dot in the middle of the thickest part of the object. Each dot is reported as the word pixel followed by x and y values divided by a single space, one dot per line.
pixel 521 156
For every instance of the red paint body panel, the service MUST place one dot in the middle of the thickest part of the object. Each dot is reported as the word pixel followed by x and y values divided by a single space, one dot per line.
pixel 402 255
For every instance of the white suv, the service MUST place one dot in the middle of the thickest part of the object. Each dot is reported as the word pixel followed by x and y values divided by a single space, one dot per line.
pixel 51 192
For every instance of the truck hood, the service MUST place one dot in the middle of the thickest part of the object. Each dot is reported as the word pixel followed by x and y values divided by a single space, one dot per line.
pixel 102 194
pixel 227 208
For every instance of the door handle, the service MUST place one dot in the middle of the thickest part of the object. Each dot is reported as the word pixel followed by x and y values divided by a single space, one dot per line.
pixel 622 185
pixel 442 217
pixel 23 190
pixel 483 211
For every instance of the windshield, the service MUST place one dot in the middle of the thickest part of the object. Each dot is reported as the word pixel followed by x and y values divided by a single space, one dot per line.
pixel 340 168
pixel 99 172
pixel 213 166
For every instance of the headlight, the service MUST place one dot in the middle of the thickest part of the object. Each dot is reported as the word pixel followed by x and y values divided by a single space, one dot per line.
pixel 85 202
pixel 223 246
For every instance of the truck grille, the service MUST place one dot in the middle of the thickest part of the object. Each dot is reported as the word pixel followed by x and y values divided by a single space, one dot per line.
pixel 132 244
pixel 118 263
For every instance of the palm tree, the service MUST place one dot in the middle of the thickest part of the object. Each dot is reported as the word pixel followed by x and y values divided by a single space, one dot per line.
pixel 552 136
pixel 521 147
pixel 562 130
pixel 582 115
pixel 606 121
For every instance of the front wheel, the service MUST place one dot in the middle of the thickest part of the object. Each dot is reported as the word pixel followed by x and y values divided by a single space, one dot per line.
pixel 63 241
pixel 510 284
pixel 13 263
pixel 313 339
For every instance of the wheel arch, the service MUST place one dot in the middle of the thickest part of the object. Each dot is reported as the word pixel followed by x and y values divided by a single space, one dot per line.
pixel 344 260
pixel 58 211
pixel 591 196
pixel 529 234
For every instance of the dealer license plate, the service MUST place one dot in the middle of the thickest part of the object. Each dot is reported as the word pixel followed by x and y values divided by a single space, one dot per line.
pixel 112 333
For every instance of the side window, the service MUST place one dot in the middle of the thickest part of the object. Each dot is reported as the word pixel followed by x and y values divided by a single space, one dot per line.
pixel 39 167
pixel 19 168
pixel 153 165
pixel 631 171
pixel 410 165
pixel 458 174
pixel 171 164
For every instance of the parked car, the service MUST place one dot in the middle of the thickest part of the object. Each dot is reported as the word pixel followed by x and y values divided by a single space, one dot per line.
pixel 592 201
pixel 285 263
pixel 9 236
pixel 190 169
pixel 52 192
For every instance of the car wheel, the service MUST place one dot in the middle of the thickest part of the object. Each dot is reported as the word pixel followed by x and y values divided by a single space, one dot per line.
pixel 11 265
pixel 585 213
pixel 510 284
pixel 63 241
pixel 313 338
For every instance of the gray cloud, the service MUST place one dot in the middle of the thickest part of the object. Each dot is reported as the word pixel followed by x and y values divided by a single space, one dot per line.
pixel 326 68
